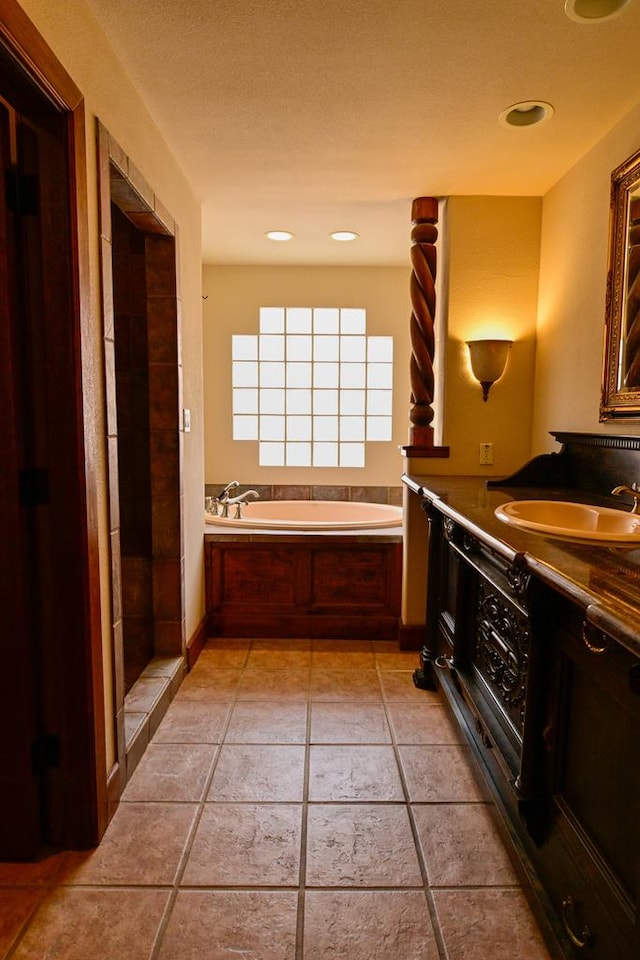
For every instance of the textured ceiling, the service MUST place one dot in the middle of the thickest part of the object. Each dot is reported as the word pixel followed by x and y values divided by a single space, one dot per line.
pixel 312 117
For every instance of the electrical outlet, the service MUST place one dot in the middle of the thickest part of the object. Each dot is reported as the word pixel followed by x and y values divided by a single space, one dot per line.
pixel 486 454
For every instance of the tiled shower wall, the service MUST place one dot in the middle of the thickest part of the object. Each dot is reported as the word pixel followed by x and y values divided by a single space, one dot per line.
pixel 132 395
pixel 156 583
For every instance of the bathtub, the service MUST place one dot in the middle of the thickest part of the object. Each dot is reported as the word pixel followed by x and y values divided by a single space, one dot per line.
pixel 305 568
pixel 312 515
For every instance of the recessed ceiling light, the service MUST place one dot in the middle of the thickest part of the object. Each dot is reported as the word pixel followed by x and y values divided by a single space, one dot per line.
pixel 343 235
pixel 526 114
pixel 594 11
pixel 279 235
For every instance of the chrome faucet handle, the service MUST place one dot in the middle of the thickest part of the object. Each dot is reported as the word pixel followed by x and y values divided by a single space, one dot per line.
pixel 224 493
pixel 632 491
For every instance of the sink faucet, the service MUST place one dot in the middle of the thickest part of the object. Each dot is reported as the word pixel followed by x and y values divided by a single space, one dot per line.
pixel 632 491
pixel 242 498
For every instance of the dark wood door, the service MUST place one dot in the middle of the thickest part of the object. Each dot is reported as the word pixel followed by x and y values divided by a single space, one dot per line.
pixel 20 784
pixel 52 719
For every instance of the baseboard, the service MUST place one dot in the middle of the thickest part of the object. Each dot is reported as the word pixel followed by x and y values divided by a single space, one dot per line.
pixel 196 642
pixel 412 636
pixel 114 789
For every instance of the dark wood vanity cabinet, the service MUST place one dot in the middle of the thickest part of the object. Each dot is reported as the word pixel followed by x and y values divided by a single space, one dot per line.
pixel 481 610
pixel 550 707
pixel 589 860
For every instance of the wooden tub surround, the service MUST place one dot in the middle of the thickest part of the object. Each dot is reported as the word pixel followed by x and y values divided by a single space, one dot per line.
pixel 319 586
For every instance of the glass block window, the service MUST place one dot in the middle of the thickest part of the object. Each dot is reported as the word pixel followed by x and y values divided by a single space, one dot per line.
pixel 311 388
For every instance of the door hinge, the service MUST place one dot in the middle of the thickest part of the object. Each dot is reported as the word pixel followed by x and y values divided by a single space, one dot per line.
pixel 45 753
pixel 33 484
pixel 21 193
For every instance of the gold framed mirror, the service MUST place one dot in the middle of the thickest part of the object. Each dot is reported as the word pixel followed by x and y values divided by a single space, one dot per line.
pixel 621 371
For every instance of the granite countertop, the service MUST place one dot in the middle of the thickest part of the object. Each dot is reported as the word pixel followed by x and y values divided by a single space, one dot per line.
pixel 604 578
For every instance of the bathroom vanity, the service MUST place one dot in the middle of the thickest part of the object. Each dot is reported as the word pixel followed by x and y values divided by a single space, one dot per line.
pixel 534 641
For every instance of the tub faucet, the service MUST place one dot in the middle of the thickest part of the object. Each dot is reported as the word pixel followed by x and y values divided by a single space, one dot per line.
pixel 220 508
pixel 224 493
pixel 632 491
pixel 240 499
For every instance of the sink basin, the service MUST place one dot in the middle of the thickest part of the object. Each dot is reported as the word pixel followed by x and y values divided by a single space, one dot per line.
pixel 562 518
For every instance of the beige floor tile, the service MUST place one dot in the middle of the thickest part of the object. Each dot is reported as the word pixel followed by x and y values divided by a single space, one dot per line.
pixel 207 681
pixel 16 906
pixel 193 721
pixel 246 844
pixel 345 684
pixel 38 873
pixel 143 845
pixel 345 654
pixel 360 845
pixel 399 685
pixel 132 723
pixel 107 903
pixel 279 654
pixel 144 694
pixel 477 924
pixel 171 771
pixel 77 923
pixel 462 846
pixel 262 684
pixel 354 773
pixel 438 774
pixel 225 653
pixel 258 773
pixel 232 925
pixel 349 723
pixel 163 667
pixel 368 925
pixel 422 723
pixel 267 722
pixel 389 657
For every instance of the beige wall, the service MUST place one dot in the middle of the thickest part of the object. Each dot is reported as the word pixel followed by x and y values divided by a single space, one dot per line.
pixel 492 284
pixel 74 37
pixel 573 277
pixel 493 254
pixel 234 296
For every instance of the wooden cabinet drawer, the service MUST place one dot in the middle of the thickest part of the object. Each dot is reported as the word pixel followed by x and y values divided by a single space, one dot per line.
pixel 589 914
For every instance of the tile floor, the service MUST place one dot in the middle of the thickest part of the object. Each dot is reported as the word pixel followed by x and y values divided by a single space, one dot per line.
pixel 301 800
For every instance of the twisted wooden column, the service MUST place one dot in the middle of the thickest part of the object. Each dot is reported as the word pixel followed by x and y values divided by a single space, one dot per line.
pixel 418 550
pixel 424 215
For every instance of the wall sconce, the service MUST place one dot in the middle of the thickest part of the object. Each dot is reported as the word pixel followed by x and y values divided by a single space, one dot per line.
pixel 488 361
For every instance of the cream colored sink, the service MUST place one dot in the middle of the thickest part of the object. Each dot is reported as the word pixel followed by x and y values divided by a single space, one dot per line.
pixel 562 518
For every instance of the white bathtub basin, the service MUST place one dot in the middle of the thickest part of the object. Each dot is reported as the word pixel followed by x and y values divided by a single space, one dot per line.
pixel 312 515
pixel 562 518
